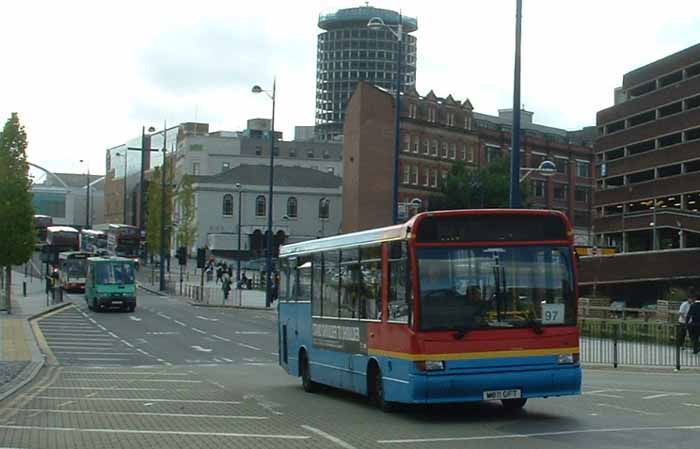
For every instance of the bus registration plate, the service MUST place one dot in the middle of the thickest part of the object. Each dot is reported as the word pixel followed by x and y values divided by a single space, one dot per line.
pixel 492 395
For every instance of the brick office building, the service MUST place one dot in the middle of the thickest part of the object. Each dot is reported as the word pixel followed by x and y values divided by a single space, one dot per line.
pixel 437 132
pixel 648 188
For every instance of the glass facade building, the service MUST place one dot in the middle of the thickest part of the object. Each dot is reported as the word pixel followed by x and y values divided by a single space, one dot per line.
pixel 348 52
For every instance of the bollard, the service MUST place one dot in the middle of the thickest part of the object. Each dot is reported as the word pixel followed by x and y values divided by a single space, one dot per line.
pixel 615 338
pixel 678 346
pixel 24 288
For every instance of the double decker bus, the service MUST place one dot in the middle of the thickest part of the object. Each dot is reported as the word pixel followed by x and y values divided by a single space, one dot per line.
pixel 72 269
pixel 41 223
pixel 123 241
pixel 93 241
pixel 451 306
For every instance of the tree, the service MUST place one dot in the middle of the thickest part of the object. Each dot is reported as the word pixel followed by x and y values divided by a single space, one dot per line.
pixel 187 228
pixel 16 212
pixel 484 187
pixel 153 207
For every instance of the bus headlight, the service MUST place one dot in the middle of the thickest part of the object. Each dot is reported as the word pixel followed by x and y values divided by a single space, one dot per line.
pixel 430 365
pixel 568 359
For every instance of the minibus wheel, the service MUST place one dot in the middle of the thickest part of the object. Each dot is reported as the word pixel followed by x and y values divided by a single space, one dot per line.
pixel 309 385
pixel 513 404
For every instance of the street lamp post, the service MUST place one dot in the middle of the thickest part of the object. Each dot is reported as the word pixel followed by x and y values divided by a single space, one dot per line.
pixel 87 193
pixel 238 259
pixel 376 24
pixel 163 168
pixel 515 141
pixel 126 152
pixel 268 276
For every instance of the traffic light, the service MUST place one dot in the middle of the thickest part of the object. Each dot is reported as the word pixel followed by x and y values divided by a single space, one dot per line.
pixel 201 257
pixel 182 255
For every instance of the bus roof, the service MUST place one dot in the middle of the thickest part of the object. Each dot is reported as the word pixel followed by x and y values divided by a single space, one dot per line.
pixel 92 232
pixel 386 234
pixel 105 259
pixel 68 254
pixel 61 229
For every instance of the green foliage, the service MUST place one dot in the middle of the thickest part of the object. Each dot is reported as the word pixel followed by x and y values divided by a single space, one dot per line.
pixel 153 207
pixel 16 225
pixel 187 228
pixel 485 187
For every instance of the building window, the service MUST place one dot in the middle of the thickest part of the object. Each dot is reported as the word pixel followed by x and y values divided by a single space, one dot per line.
pixel 412 110
pixel 225 166
pixel 450 119
pixel 431 114
pixel 330 170
pixel 260 206
pixel 258 151
pixel 426 147
pixel 538 188
pixel 562 165
pixel 324 208
pixel 292 152
pixel 561 191
pixel 227 205
pixel 435 148
pixel 493 153
pixel 406 174
pixel 195 168
pixel 433 177
pixel 443 175
pixel 444 150
pixel 467 122
pixel 291 207
pixel 407 142
pixel 582 194
pixel 416 145
pixel 310 154
pixel 414 173
pixel 583 169
pixel 453 151
pixel 426 176
pixel 196 147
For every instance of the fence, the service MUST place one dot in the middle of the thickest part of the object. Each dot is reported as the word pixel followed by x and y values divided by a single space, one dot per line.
pixel 620 342
pixel 211 295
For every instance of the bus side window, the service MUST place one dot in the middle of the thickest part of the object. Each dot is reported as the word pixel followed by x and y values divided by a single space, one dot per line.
pixel 371 283
pixel 317 289
pixel 349 283
pixel 399 283
pixel 303 285
pixel 331 283
pixel 283 293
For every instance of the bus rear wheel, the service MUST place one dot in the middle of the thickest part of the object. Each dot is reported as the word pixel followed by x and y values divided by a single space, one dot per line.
pixel 513 404
pixel 309 385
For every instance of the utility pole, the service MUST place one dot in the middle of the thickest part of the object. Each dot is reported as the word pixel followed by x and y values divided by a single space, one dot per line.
pixel 515 141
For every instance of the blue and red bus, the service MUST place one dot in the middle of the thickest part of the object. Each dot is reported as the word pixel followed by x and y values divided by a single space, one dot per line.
pixel 451 306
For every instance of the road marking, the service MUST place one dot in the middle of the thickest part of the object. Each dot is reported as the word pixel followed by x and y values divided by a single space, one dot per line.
pixel 606 395
pixel 133 318
pixel 142 351
pixel 109 389
pixel 101 359
pixel 200 349
pixel 641 412
pixel 249 346
pixel 167 317
pixel 159 432
pixel 663 395
pixel 275 353
pixel 691 405
pixel 113 335
pixel 102 327
pixel 65 403
pixel 84 338
pixel 329 437
pixel 171 415
pixel 92 353
pixel 67 346
pixel 180 323
pixel 127 343
pixel 252 333
pixel 128 373
pixel 81 343
pixel 538 435
pixel 162 333
pixel 227 360
pixel 221 338
pixel 192 401
pixel 217 384
pixel 207 319
pixel 87 379
pixel 199 331
pixel 91 395
pixel 85 334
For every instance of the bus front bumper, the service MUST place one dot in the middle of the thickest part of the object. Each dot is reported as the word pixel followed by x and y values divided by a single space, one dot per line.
pixel 116 301
pixel 471 387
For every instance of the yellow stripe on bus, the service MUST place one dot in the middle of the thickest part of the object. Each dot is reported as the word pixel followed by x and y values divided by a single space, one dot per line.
pixel 475 355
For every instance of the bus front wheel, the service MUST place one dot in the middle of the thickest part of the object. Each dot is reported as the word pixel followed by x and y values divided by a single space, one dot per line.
pixel 378 394
pixel 513 404
pixel 309 385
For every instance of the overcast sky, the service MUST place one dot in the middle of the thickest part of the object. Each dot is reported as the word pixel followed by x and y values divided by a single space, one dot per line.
pixel 86 75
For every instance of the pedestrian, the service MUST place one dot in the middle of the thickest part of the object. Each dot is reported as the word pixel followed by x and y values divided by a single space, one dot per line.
pixel 244 281
pixel 219 272
pixel 683 315
pixel 226 286
pixel 693 321
pixel 230 271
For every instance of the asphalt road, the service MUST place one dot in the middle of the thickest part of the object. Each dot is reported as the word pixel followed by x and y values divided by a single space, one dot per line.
pixel 175 376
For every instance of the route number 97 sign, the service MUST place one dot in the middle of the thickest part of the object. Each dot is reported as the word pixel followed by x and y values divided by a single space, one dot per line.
pixel 553 313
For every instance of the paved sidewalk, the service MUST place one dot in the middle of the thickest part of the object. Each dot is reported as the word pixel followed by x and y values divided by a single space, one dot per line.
pixel 20 357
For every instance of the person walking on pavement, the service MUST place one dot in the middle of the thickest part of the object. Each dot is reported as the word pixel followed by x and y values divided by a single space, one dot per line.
pixel 682 316
pixel 226 286
pixel 219 271
pixel 693 321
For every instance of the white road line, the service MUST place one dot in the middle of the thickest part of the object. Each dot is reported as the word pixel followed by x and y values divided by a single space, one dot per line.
pixel 87 379
pixel 92 321
pixel 180 323
pixel 108 389
pixel 102 327
pixel 538 435
pixel 76 339
pixel 691 405
pixel 113 335
pixel 70 334
pixel 641 412
pixel 127 343
pixel 605 395
pixel 252 333
pixel 91 353
pixel 65 403
pixel 275 353
pixel 221 338
pixel 133 318
pixel 249 346
pixel 142 351
pixel 81 343
pixel 191 401
pixel 67 346
pixel 170 415
pixel 158 432
pixel 94 359
pixel 329 437
pixel 227 360
pixel 663 395
pixel 199 331
pixel 128 373
pixel 167 317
